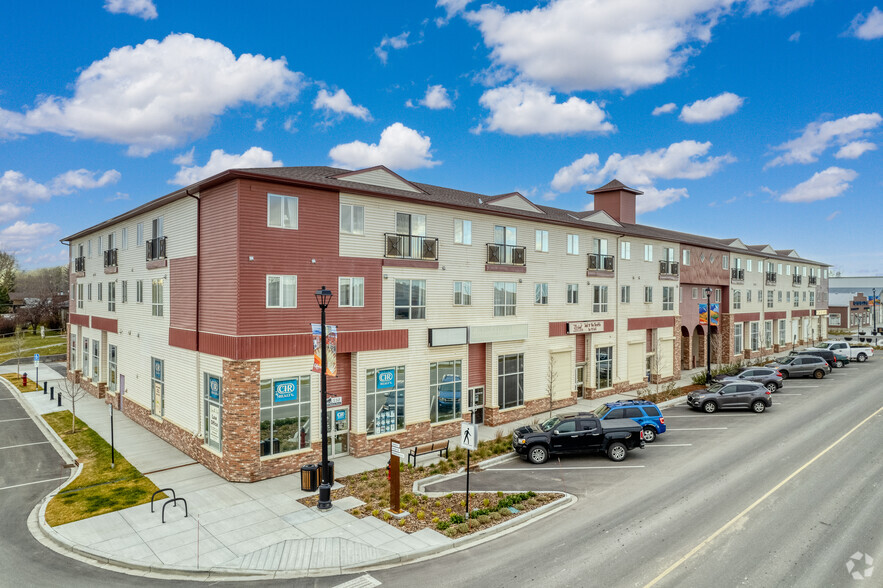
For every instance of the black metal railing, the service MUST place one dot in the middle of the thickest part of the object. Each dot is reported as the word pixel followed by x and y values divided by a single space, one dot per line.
pixel 737 274
pixel 411 246
pixel 79 264
pixel 771 278
pixel 505 254
pixel 600 262
pixel 668 268
pixel 812 280
pixel 155 248
pixel 796 280
pixel 110 258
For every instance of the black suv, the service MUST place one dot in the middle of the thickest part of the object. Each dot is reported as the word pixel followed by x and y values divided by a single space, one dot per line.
pixel 577 433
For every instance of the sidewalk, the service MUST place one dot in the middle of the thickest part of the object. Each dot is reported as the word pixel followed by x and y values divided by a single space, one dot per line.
pixel 256 528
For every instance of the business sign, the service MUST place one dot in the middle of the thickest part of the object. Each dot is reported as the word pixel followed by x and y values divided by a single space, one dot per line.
pixel 339 415
pixel 284 390
pixel 334 401
pixel 330 349
pixel 715 314
pixel 586 327
pixel 157 369
pixel 214 424
pixel 214 388
pixel 386 379
pixel 395 449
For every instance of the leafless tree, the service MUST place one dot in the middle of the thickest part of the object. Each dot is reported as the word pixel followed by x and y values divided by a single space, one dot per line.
pixel 551 378
pixel 18 347
pixel 71 389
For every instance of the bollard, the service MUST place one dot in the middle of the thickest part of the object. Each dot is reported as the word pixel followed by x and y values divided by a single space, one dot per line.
pixel 44 388
pixel 52 393
pixel 59 398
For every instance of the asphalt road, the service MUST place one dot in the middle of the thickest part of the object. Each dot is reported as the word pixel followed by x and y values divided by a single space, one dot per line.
pixel 692 509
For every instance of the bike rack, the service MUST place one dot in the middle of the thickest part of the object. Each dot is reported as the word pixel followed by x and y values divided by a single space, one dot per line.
pixel 159 491
pixel 173 501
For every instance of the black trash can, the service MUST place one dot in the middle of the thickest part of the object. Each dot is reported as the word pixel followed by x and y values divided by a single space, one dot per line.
pixel 309 478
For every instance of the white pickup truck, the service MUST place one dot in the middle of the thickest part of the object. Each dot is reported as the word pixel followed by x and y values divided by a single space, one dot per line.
pixel 859 354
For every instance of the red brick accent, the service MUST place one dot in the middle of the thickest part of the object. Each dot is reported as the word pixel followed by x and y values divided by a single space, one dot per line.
pixel 416 434
pixel 493 416
pixel 516 269
pixel 105 324
pixel 79 319
pixel 654 322
pixel 157 263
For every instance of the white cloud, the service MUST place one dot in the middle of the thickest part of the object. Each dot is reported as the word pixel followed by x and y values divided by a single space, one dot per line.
pixel 259 124
pixel 711 109
pixel 868 27
pixel 612 44
pixel 141 8
pixel 833 215
pixel 158 94
pixel 185 158
pixel 653 199
pixel 665 109
pixel 794 37
pixel 854 150
pixel 397 42
pixel 817 137
pixel 682 160
pixel 821 186
pixel 780 7
pixel 436 98
pixel 23 237
pixel 399 148
pixel 16 186
pixel 526 109
pixel 10 211
pixel 83 179
pixel 339 104
pixel 17 189
pixel 290 124
pixel 220 161
pixel 452 9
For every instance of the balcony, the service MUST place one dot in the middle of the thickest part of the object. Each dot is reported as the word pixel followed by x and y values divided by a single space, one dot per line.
pixel 737 274
pixel 155 248
pixel 400 246
pixel 80 264
pixel 796 280
pixel 771 278
pixel 812 281
pixel 599 262
pixel 505 254
pixel 668 268
pixel 110 258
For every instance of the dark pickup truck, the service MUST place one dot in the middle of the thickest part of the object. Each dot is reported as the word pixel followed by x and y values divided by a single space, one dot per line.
pixel 577 433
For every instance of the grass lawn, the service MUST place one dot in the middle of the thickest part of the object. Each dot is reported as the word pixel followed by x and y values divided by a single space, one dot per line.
pixel 16 379
pixel 98 489
pixel 50 345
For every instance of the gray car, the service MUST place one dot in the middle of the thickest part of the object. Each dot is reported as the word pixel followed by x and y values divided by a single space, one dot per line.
pixel 721 395
pixel 770 378
pixel 801 365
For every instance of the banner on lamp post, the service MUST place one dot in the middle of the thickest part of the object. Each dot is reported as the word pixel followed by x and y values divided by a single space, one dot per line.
pixel 330 349
pixel 704 314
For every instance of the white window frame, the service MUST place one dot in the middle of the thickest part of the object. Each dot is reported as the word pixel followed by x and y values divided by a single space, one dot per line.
pixel 695 293
pixel 283 281
pixel 353 228
pixel 572 244
pixel 648 294
pixel 156 297
pixel 355 288
pixel 124 240
pixel 625 250
pixel 541 241
pixel 669 293
pixel 541 293
pixel 283 200
pixel 685 254
pixel 510 292
pixel 462 232
pixel 572 293
pixel 139 291
pixel 648 252
pixel 725 261
pixel 625 294
pixel 462 293
pixel 139 234
pixel 599 299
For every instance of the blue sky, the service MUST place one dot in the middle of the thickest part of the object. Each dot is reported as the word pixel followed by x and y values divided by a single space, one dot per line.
pixel 757 119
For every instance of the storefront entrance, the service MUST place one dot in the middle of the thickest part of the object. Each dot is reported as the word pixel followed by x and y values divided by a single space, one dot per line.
pixel 338 431
pixel 476 404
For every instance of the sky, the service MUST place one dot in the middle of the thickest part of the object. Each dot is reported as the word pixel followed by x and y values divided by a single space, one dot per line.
pixel 756 119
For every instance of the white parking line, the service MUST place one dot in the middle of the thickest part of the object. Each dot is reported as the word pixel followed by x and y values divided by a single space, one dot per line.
pixel 571 468
pixel 801 386
pixel 705 416
pixel 10 420
pixel 31 483
pixel 26 445
pixel 670 444
pixel 788 394
pixel 700 429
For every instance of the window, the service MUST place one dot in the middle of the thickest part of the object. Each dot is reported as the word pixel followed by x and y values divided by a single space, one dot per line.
pixel 281 291
pixel 747 295
pixel 73 351
pixel 541 293
pixel 156 309
pixel 573 244
pixel 599 298
pixel 89 248
pixel 669 254
pixel 281 211
pixel 787 270
pixel 812 299
pixel 542 243
pixel 796 298
pixel 755 337
pixel 779 296
pixel 89 292
pixel 100 245
pixel 572 293
pixel 625 294
pixel 462 232
pixel 717 294
pixel 603 367
pixel 112 368
pixel 350 291
pixel 737 338
pixel 804 295
pixel 112 296
pixel 648 294
pixel 285 415
pixel 695 293
pixel 760 296
pixel 352 219
pixel 825 274
pixel 156 227
pixel 139 291
pixel 410 299
pixel 625 250
pixel 124 290
pixel 157 379
pixel 725 262
pixel 212 413
pixel 510 380
pixel 769 299
pixel 668 298
pixel 788 296
pixel 686 256
pixel 85 356
pixel 737 299
pixel 101 288
pixel 781 331
pixel 445 387
pixel 79 295
pixel 96 361
pixel 385 400
pixel 139 234
pixel 124 242
pixel 648 252
pixel 780 269
pixel 768 334
pixel 462 293
pixel 748 265
pixel 504 298
pixel 599 246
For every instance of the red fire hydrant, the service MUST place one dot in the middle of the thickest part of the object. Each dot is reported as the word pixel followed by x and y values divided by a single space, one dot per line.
pixel 24 379
pixel 388 472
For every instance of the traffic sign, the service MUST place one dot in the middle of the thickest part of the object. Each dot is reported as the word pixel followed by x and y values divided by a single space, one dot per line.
pixel 36 358
pixel 469 436
pixel 395 449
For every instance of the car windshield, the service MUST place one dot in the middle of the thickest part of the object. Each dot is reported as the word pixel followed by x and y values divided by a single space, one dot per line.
pixel 601 411
pixel 785 360
pixel 823 345
pixel 715 387
pixel 550 424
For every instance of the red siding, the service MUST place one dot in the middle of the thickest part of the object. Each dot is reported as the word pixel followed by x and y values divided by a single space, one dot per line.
pixel 182 338
pixel 477 364
pixel 340 385
pixel 371 340
pixel 79 319
pixel 105 324
pixel 580 348
pixel 655 322
pixel 182 295
pixel 775 315
pixel 292 345
pixel 745 317
pixel 218 256
pixel 798 313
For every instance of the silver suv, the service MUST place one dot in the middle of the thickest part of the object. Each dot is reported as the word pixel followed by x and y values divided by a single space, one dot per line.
pixel 801 365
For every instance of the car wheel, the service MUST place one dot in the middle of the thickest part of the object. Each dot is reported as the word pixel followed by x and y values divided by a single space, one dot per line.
pixel 818 374
pixel 838 363
pixel 772 387
pixel 784 374
pixel 649 434
pixel 709 407
pixel 616 451
pixel 758 406
pixel 861 357
pixel 538 454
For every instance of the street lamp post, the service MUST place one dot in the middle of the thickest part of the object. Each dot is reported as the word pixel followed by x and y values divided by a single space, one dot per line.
pixel 323 297
pixel 708 335
pixel 874 311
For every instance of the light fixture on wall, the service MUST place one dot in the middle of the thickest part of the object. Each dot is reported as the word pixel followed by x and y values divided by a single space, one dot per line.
pixel 385 276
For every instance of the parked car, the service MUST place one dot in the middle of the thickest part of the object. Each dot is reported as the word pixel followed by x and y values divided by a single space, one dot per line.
pixel 578 433
pixel 801 365
pixel 643 412
pixel 860 354
pixel 722 395
pixel 833 359
pixel 769 377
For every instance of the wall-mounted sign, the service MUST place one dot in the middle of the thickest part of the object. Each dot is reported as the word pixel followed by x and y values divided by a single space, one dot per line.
pixel 284 390
pixel 386 379
pixel 334 401
pixel 339 415
pixel 448 336
pixel 585 327
pixel 214 425
pixel 157 369
pixel 214 388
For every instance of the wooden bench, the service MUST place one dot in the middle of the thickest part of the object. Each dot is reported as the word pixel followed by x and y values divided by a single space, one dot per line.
pixel 427 448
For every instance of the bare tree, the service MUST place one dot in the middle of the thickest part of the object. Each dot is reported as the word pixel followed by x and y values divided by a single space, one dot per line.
pixel 71 389
pixel 551 378
pixel 18 347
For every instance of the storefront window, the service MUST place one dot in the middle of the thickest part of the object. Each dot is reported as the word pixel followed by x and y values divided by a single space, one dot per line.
pixel 285 415
pixel 444 391
pixel 603 367
pixel 385 400
pixel 157 399
pixel 96 361
pixel 112 368
pixel 737 338
pixel 510 380
pixel 212 413
pixel 73 351
pixel 85 357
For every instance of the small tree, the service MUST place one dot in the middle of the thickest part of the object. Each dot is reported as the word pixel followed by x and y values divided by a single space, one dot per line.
pixel 18 347
pixel 551 378
pixel 71 389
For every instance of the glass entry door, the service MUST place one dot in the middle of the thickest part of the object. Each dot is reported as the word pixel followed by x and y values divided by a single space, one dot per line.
pixel 338 431
pixel 476 404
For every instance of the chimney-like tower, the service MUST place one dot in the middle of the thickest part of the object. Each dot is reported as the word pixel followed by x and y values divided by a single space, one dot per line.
pixel 617 200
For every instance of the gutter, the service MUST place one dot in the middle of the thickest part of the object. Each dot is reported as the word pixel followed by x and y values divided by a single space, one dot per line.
pixel 199 415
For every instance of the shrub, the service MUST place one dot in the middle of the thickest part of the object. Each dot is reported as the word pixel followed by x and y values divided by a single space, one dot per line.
pixel 401 522
pixel 386 516
pixel 505 512
pixel 421 515
pixel 486 502
pixel 434 520
pixel 500 493
pixel 532 501
pixel 484 519
pixel 456 518
pixel 473 523
pixel 452 532
pixel 449 510
pixel 442 525
pixel 375 512
pixel 437 503
pixel 462 503
pixel 463 528
pixel 356 512
pixel 495 516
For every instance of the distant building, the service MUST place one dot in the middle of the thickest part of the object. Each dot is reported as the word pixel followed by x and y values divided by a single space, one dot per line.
pixel 853 302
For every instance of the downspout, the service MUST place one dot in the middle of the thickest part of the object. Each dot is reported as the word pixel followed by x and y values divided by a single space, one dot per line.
pixel 199 415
